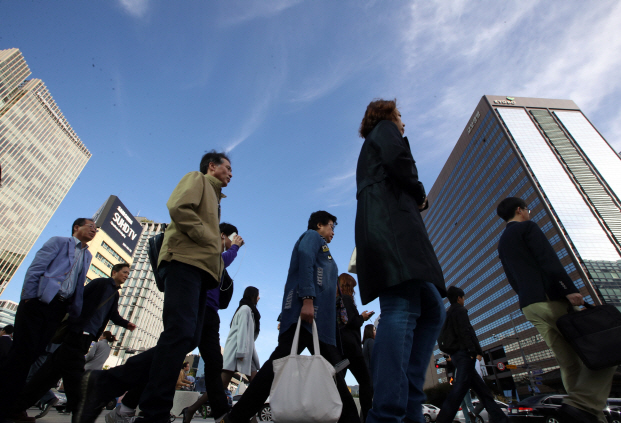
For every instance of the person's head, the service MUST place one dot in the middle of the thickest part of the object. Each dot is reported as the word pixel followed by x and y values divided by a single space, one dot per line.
pixel 347 284
pixel 107 335
pixel 84 229
pixel 251 295
pixel 217 165
pixel 185 366
pixel 513 209
pixel 369 332
pixel 324 223
pixel 455 295
pixel 226 230
pixel 120 273
pixel 7 330
pixel 377 111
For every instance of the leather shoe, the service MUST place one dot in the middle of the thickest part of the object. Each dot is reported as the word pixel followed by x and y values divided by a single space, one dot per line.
pixel 570 414
pixel 46 407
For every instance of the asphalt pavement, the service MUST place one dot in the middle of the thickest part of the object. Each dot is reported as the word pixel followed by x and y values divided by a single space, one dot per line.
pixel 55 417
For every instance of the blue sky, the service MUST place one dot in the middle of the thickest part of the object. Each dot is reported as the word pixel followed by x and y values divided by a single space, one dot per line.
pixel 149 86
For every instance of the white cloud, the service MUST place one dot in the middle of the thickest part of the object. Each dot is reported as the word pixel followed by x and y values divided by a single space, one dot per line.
pixel 240 11
pixel 136 8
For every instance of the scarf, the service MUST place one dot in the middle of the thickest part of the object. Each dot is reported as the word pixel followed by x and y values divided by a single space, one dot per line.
pixel 341 312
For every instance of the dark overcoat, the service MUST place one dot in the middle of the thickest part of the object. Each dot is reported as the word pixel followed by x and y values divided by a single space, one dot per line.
pixel 391 240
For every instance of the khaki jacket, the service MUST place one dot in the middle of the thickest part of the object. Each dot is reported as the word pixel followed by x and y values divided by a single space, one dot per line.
pixel 193 236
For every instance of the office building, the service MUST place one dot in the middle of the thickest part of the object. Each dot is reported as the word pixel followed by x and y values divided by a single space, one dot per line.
pixel 141 302
pixel 7 312
pixel 548 153
pixel 41 157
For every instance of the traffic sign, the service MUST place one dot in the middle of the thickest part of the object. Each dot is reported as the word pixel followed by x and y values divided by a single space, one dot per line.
pixel 538 378
pixel 501 366
pixel 538 382
pixel 511 366
pixel 537 390
pixel 537 371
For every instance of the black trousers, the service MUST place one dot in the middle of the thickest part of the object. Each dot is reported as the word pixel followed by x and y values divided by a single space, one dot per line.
pixel 66 362
pixel 184 309
pixel 359 369
pixel 209 347
pixel 258 391
pixel 35 325
pixel 468 378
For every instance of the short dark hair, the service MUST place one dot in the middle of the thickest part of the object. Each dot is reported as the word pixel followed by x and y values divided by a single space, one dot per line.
pixel 453 293
pixel 227 229
pixel 377 110
pixel 118 267
pixel 322 217
pixel 507 207
pixel 108 336
pixel 185 363
pixel 8 329
pixel 80 221
pixel 212 157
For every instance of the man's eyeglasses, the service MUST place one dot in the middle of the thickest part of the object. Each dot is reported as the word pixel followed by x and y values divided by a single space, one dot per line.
pixel 90 225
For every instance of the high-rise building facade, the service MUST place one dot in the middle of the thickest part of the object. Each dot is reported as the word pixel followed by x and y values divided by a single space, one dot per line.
pixel 141 302
pixel 8 309
pixel 548 153
pixel 41 157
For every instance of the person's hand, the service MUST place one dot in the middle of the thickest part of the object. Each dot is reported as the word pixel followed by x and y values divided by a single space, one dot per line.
pixel 308 311
pixel 422 206
pixel 479 356
pixel 575 299
pixel 366 315
pixel 131 326
pixel 238 240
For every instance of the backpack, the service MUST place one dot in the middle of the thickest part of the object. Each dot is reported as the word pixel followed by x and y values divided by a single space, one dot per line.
pixel 153 251
pixel 447 341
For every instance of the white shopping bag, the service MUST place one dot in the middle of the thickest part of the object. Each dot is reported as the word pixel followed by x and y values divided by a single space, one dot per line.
pixel 304 389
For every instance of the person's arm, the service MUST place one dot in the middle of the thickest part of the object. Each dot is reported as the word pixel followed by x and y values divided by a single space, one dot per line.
pixel 308 249
pixel 547 259
pixel 91 352
pixel 229 255
pixel 39 264
pixel 508 272
pixel 465 332
pixel 245 332
pixel 116 318
pixel 186 196
pixel 397 161
pixel 354 319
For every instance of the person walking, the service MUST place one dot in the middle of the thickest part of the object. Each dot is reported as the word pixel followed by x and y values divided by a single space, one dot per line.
pixel 545 292
pixel 190 263
pixel 310 291
pixel 466 350
pixel 350 323
pixel 6 340
pixel 240 355
pixel 100 306
pixel 396 262
pixel 53 287
pixel 368 340
pixel 99 352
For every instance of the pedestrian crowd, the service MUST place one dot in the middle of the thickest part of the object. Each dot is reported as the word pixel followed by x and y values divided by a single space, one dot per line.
pixel 59 316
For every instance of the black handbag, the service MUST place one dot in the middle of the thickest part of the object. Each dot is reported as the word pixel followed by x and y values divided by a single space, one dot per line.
pixel 594 334
pixel 153 251
pixel 447 341
pixel 226 290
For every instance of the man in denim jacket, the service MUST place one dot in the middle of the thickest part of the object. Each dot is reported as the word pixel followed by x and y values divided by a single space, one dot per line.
pixel 310 293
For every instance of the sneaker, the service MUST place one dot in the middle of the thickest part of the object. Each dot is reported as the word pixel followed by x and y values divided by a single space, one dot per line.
pixel 115 416
pixel 91 400
pixel 46 407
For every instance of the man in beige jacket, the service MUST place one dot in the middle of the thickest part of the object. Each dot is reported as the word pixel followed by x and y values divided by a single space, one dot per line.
pixel 190 263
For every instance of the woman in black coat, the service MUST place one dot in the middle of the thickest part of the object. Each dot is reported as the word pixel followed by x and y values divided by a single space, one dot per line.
pixel 396 262
pixel 350 322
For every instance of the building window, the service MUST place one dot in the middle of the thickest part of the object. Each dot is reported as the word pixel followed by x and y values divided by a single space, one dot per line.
pixel 98 271
pixel 111 251
pixel 104 260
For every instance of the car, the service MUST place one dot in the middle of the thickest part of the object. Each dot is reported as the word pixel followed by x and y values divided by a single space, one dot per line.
pixel 430 412
pixel 483 417
pixel 265 414
pixel 538 408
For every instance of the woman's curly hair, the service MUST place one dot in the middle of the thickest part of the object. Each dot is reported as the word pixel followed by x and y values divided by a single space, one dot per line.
pixel 377 110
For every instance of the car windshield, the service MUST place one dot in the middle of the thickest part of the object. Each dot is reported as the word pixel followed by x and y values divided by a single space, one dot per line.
pixel 532 400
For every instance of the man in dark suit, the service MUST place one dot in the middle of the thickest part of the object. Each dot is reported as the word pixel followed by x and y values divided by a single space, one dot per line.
pixel 101 299
pixel 53 286
pixel 546 291
pixel 6 340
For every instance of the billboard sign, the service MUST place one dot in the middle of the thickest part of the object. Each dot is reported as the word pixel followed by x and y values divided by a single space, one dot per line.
pixel 119 224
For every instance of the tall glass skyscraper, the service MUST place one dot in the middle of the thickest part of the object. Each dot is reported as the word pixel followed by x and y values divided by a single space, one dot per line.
pixel 41 157
pixel 548 153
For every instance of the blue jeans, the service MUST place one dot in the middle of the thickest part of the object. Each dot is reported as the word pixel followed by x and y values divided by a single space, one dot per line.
pixel 405 338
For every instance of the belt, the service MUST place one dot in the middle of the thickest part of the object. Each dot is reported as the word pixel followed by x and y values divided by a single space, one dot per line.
pixel 60 298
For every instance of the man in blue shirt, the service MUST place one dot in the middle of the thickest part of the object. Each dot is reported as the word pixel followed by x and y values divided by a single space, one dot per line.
pixel 53 286
pixel 310 293
pixel 101 299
